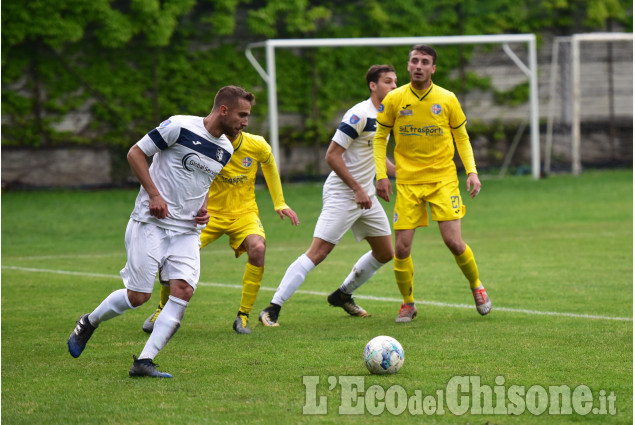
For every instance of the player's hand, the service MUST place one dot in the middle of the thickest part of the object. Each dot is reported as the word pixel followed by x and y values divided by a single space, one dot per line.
pixel 158 206
pixel 384 189
pixel 289 213
pixel 473 184
pixel 202 217
pixel 362 199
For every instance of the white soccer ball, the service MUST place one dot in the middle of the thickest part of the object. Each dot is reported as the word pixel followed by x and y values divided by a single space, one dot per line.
pixel 383 355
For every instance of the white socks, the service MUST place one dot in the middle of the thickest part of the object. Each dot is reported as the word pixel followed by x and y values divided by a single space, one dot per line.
pixel 293 278
pixel 114 305
pixel 363 270
pixel 166 325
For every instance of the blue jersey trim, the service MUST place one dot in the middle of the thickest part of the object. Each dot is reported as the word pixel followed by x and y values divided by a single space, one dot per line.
pixel 211 150
pixel 158 139
pixel 371 124
pixel 348 130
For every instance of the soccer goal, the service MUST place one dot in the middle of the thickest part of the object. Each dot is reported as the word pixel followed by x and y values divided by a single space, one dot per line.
pixel 590 117
pixel 527 73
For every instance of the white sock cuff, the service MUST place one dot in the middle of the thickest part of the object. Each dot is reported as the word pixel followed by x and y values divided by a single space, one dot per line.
pixel 373 261
pixel 178 301
pixel 128 301
pixel 306 262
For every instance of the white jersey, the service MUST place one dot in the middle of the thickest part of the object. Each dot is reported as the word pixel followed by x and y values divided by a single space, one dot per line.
pixel 355 134
pixel 186 159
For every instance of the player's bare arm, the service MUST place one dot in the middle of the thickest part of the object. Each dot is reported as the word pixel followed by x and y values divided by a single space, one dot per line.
pixel 141 170
pixel 336 161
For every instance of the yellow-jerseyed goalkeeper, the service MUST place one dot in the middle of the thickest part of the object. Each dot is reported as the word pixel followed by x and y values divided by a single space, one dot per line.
pixel 233 212
pixel 426 121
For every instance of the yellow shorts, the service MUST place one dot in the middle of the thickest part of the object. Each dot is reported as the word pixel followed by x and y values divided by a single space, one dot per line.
pixel 237 228
pixel 410 206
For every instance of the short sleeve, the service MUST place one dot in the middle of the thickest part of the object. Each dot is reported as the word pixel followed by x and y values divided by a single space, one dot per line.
pixel 352 125
pixel 160 138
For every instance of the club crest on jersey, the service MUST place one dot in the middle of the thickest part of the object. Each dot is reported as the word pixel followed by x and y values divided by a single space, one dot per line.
pixel 165 123
pixel 247 162
pixel 381 107
pixel 436 109
pixel 354 119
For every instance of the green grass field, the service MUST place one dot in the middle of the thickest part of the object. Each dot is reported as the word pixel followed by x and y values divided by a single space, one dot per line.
pixel 556 256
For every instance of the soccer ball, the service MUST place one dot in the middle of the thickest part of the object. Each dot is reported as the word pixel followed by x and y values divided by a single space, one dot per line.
pixel 383 355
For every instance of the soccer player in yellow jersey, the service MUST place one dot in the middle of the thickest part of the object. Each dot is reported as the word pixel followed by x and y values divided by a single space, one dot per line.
pixel 426 121
pixel 234 212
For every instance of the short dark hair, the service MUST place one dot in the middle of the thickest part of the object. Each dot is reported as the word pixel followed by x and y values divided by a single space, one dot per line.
pixel 229 96
pixel 374 73
pixel 428 50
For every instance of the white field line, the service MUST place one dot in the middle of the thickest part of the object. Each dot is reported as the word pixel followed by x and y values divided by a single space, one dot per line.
pixel 324 294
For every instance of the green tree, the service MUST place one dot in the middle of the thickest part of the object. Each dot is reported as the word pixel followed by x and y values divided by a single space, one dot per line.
pixel 129 64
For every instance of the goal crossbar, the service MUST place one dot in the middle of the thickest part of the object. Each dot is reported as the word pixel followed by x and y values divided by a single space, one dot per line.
pixel 269 75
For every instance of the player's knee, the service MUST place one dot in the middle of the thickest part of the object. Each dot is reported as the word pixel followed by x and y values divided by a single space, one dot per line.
pixel 256 253
pixel 181 290
pixel 402 250
pixel 457 247
pixel 137 298
pixel 384 256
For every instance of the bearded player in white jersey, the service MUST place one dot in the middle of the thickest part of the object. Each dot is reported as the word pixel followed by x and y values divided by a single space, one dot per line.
pixel 349 202
pixel 171 209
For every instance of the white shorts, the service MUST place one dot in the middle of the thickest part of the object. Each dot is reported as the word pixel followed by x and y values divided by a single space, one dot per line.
pixel 150 247
pixel 340 214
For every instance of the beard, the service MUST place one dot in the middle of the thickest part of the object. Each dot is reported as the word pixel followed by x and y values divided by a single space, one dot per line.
pixel 230 131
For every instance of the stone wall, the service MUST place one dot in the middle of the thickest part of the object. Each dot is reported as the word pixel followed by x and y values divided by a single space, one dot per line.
pixel 607 138
pixel 63 167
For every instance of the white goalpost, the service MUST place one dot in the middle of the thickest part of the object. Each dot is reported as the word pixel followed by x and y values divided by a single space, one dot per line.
pixel 603 92
pixel 530 70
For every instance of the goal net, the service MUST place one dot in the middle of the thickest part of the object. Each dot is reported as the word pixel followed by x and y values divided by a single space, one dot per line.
pixel 590 113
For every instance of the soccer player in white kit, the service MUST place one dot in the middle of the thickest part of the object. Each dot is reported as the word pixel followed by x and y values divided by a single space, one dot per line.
pixel 348 202
pixel 170 212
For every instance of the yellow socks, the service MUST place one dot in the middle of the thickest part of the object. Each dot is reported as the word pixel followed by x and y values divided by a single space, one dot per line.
pixel 165 294
pixel 467 264
pixel 404 274
pixel 251 285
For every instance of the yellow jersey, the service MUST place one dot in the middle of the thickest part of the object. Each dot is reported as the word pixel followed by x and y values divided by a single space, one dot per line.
pixel 425 126
pixel 232 193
